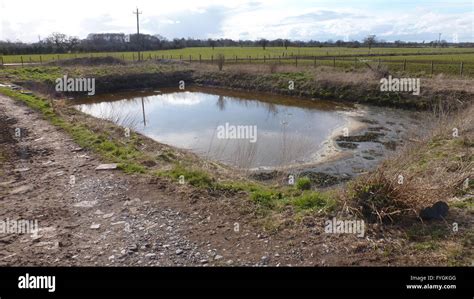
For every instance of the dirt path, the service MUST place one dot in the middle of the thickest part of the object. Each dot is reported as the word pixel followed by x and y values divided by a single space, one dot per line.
pixel 89 217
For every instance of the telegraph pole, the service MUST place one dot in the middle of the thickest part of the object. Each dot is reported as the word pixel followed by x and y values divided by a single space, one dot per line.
pixel 138 32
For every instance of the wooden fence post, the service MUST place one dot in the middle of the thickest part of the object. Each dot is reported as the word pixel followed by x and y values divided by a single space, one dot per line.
pixel 264 59
pixel 41 60
pixel 404 65
pixel 21 57
pixel 296 61
pixel 133 58
pixel 190 58
pixel 432 67
pixel 462 68
pixel 200 58
pixel 314 61
pixel 355 62
pixel 212 58
pixel 334 62
pixel 1 59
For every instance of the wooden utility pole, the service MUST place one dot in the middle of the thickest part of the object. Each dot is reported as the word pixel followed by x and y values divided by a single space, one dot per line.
pixel 138 32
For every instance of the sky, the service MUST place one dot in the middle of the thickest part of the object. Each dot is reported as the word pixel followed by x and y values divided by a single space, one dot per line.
pixel 408 20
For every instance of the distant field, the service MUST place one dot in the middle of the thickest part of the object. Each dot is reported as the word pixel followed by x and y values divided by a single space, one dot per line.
pixel 418 59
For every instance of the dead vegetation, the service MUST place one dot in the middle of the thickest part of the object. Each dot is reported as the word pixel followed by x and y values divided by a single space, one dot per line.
pixel 427 171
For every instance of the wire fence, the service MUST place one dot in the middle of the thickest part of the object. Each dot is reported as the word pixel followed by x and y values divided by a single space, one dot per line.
pixel 427 66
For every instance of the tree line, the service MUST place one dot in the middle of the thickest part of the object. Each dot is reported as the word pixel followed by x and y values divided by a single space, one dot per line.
pixel 118 42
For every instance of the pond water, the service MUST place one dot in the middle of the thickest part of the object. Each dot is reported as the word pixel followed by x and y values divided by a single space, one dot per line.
pixel 246 130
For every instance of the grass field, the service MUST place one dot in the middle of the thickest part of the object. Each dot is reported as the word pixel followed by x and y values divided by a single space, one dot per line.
pixel 418 59
pixel 244 52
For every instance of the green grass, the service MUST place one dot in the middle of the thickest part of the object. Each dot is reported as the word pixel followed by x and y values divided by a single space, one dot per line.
pixel 418 64
pixel 127 156
pixel 467 204
pixel 426 246
pixel 303 183
pixel 240 52
pixel 194 177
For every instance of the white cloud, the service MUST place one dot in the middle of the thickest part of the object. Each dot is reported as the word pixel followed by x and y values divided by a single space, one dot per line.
pixel 246 19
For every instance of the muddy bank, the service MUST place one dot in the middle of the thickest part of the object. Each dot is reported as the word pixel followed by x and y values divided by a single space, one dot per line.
pixel 307 84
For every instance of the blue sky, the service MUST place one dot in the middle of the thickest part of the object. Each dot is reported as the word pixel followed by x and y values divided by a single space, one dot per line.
pixel 415 20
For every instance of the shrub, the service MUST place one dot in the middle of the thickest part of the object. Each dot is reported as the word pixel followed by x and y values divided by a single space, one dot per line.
pixel 303 183
pixel 314 201
pixel 266 198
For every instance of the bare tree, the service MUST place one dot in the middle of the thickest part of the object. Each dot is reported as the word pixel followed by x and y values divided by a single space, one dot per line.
pixel 212 43
pixel 370 41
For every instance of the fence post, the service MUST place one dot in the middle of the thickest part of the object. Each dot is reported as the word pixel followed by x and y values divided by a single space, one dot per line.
pixel 279 59
pixel 355 62
pixel 264 60
pixel 133 59
pixel 21 57
pixel 431 67
pixel 314 61
pixel 334 62
pixel 180 57
pixel 404 65
pixel 235 58
pixel 462 68
pixel 212 58
pixel 296 61
pixel 41 60
pixel 200 58
pixel 1 59
pixel 379 64
pixel 190 58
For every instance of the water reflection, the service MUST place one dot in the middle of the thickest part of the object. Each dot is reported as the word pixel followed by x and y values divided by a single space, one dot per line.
pixel 288 130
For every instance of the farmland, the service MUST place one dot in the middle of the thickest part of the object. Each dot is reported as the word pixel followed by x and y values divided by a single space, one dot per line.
pixel 416 61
